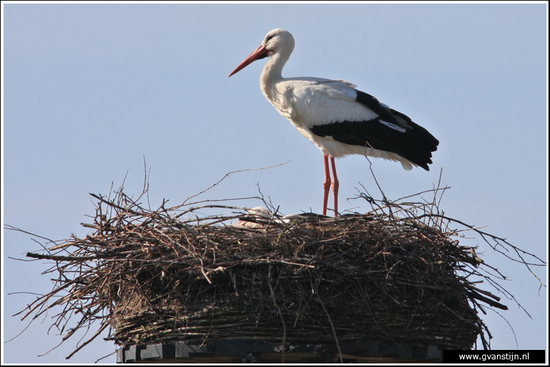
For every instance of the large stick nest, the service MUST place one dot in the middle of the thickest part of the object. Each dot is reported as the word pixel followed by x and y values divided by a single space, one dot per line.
pixel 397 273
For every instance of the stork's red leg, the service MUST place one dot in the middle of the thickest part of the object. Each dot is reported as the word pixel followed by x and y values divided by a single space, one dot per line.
pixel 335 185
pixel 326 184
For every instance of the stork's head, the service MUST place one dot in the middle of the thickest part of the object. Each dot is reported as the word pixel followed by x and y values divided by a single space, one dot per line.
pixel 276 42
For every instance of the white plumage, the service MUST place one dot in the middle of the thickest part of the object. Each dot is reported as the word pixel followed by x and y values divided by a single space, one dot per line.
pixel 336 117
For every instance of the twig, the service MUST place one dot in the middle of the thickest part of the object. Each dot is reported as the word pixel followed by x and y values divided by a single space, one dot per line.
pixel 274 299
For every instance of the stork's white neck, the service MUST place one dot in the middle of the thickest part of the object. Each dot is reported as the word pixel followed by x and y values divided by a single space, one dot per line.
pixel 272 73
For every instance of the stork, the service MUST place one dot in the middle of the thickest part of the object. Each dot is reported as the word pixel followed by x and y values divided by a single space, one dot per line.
pixel 336 117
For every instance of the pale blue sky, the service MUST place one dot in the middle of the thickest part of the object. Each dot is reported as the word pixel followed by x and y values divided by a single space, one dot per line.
pixel 89 90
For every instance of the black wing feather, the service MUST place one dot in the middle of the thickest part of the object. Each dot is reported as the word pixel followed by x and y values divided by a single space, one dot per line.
pixel 411 141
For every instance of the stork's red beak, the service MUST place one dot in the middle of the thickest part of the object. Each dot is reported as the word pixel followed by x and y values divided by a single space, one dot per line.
pixel 258 53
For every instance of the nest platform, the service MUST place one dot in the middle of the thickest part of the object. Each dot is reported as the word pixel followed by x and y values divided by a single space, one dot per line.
pixel 356 278
pixel 152 278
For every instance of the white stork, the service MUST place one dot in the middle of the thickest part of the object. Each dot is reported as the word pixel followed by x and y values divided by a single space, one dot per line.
pixel 336 117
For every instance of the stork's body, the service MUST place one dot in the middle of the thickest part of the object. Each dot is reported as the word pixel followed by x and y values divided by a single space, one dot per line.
pixel 336 117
